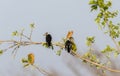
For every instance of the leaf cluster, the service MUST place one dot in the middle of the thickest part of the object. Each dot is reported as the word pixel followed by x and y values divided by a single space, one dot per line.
pixel 29 60
pixel 90 40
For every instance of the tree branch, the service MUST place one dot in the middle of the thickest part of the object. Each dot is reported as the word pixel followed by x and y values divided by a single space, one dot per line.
pixel 61 45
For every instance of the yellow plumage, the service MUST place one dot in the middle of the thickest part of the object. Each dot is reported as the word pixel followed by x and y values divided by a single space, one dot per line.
pixel 31 58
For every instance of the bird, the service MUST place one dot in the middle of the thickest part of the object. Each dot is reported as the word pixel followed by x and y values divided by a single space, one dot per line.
pixel 48 40
pixel 70 46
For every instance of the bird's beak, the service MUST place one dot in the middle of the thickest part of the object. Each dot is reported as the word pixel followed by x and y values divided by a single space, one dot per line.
pixel 44 34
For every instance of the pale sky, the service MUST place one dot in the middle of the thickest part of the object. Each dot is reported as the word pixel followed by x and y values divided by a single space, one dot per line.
pixel 54 16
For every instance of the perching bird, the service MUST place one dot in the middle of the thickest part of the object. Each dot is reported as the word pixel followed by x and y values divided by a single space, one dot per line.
pixel 70 46
pixel 48 40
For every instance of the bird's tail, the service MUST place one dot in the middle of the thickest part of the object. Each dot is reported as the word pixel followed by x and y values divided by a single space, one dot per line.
pixel 50 45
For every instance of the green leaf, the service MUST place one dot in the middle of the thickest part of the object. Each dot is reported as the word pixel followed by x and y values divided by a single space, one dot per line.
pixel 108 49
pixel 109 3
pixel 45 44
pixel 97 20
pixel 1 52
pixel 116 53
pixel 58 52
pixel 74 47
pixel 32 25
pixel 103 23
pixel 26 65
pixel 100 15
pixel 93 7
pixel 90 40
pixel 105 7
pixel 15 33
pixel 91 57
pixel 92 2
pixel 119 43
pixel 24 60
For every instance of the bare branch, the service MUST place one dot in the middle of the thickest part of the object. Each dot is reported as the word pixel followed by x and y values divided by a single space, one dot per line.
pixel 41 70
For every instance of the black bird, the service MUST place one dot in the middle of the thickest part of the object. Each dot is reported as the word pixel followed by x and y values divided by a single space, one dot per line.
pixel 48 40
pixel 68 46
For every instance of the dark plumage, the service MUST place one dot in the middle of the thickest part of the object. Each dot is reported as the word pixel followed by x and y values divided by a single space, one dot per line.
pixel 48 39
pixel 68 46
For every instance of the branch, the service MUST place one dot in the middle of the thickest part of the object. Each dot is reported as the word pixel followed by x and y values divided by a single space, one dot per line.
pixel 31 33
pixel 41 70
pixel 94 63
pixel 114 41
pixel 61 45
pixel 116 44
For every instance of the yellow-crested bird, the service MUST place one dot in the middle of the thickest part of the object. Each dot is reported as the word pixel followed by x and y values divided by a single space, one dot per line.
pixel 70 46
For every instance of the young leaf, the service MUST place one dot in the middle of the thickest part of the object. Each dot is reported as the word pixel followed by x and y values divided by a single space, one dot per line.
pixel 116 53
pixel 15 33
pixel 108 49
pixel 31 58
pixel 24 60
pixel 58 52
pixel 1 52
pixel 119 43
pixel 32 25
pixel 26 65
pixel 45 44
pixel 90 40
pixel 92 2
pixel 94 7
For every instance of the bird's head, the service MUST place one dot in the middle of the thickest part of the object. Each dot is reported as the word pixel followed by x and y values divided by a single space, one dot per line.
pixel 71 39
pixel 45 34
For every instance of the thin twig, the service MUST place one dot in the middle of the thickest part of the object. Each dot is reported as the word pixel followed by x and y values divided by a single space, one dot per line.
pixel 41 70
pixel 21 43
pixel 14 52
pixel 9 47
pixel 26 36
pixel 31 34
pixel 21 35
pixel 7 41
pixel 116 44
